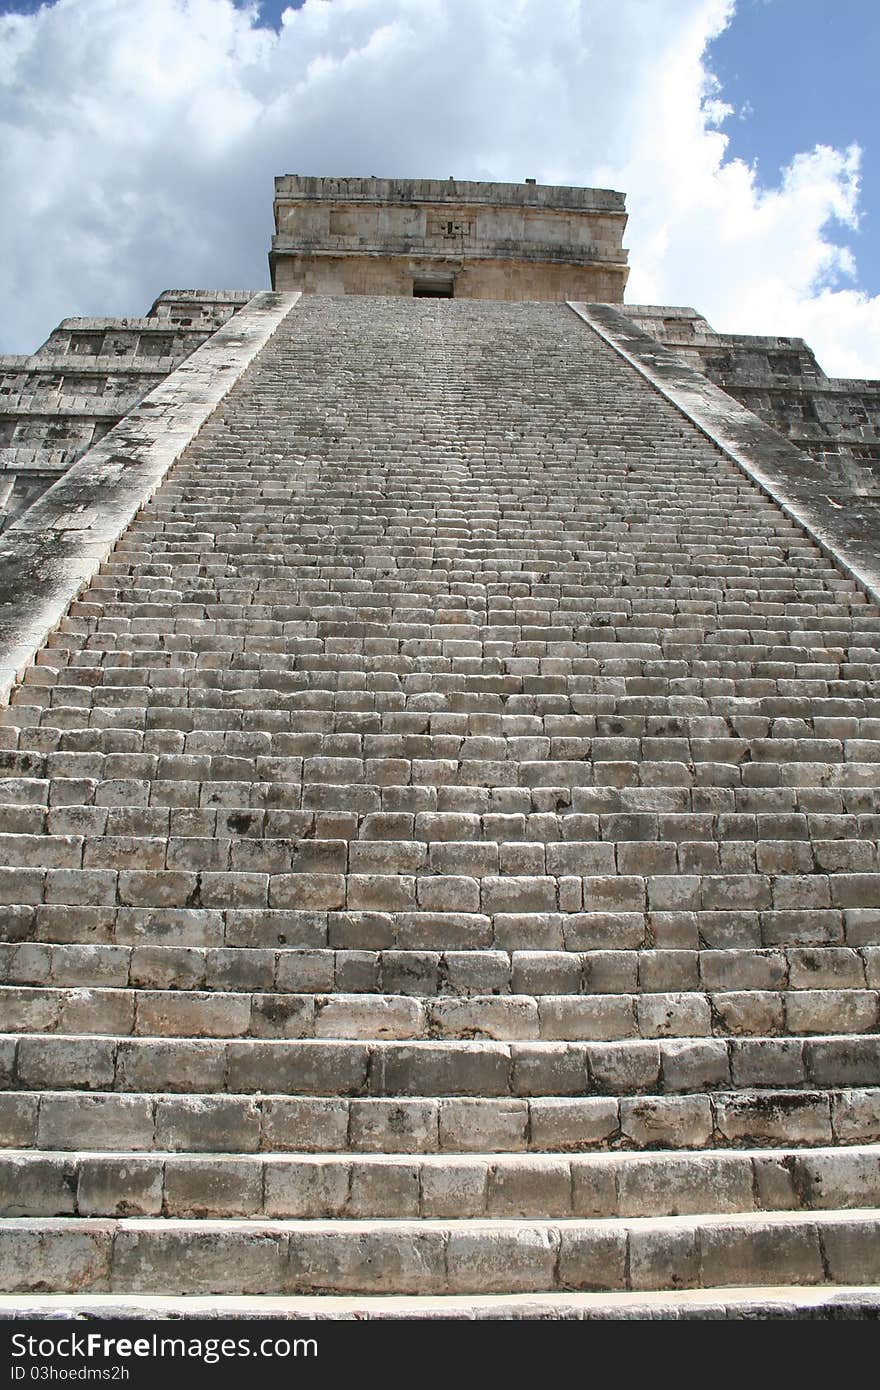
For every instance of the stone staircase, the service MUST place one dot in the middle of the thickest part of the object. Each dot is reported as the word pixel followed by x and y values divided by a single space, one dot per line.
pixel 441 861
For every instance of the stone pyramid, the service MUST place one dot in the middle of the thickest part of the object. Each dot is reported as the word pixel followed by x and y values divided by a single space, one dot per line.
pixel 439 842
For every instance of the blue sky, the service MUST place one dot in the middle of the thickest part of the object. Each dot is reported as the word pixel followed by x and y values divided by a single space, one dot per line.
pixel 804 73
pixel 139 138
pixel 798 73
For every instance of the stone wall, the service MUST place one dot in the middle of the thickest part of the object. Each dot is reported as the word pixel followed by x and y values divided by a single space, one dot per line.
pixel 59 401
pixel 835 420
pixel 452 238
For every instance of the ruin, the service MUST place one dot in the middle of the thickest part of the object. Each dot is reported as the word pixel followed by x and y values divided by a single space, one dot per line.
pixel 443 240
pixel 439 770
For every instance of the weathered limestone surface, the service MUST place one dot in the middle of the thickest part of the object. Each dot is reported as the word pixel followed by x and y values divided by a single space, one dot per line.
pixel 58 402
pixel 451 237
pixel 800 483
pixel 833 420
pixel 58 543
pixel 440 860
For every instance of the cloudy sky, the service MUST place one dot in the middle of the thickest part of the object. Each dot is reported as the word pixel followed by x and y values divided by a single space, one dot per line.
pixel 139 140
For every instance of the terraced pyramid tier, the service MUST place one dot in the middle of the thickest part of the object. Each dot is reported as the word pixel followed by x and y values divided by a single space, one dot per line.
pixel 441 860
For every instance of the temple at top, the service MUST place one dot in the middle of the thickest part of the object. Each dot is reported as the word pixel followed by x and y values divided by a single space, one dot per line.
pixel 451 239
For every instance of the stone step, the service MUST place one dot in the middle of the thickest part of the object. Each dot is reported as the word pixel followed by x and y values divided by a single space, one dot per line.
pixel 321 674
pixel 644 617
pixel 772 1302
pixel 610 838
pixel 538 814
pixel 431 1068
pixel 589 601
pixel 262 676
pixel 558 679
pixel 472 786
pixel 53 757
pixel 73 841
pixel 307 724
pixel 266 1122
pixel 567 1017
pixel 47 1183
pixel 252 925
pixel 647 634
pixel 425 973
pixel 489 652
pixel 665 685
pixel 238 720
pixel 569 645
pixel 422 638
pixel 434 1256
pixel 515 636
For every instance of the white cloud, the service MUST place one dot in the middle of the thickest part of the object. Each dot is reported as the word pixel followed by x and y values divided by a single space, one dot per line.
pixel 139 139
